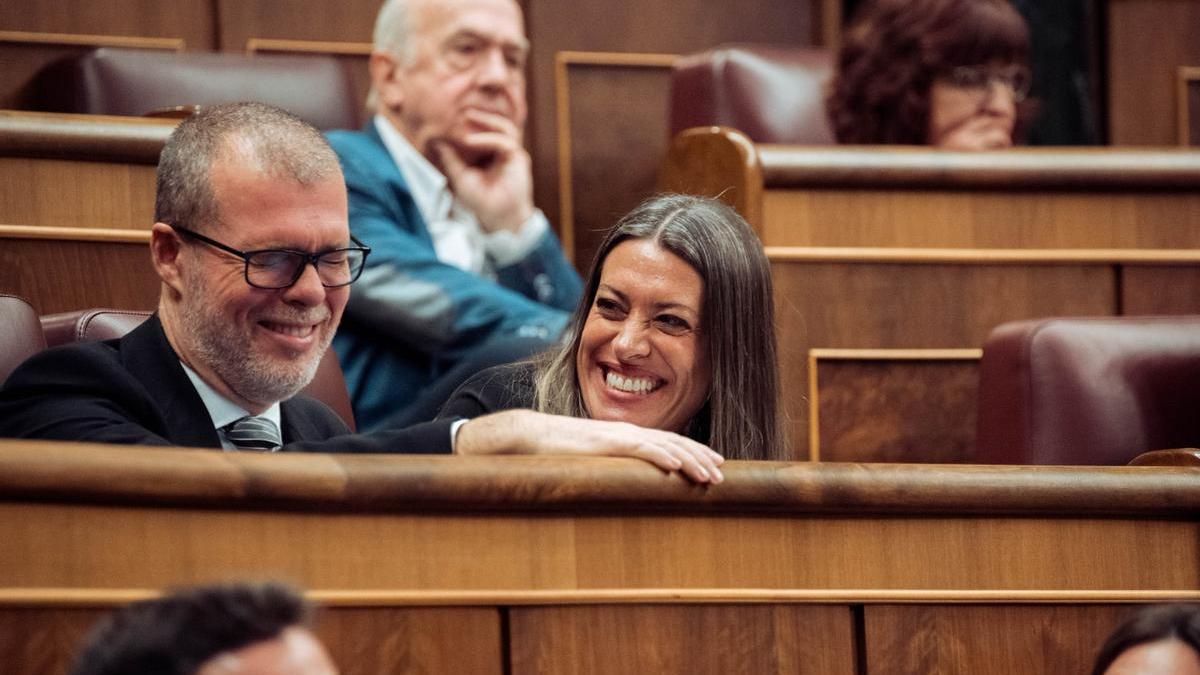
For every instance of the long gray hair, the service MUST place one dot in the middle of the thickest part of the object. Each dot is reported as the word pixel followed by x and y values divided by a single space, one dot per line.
pixel 740 419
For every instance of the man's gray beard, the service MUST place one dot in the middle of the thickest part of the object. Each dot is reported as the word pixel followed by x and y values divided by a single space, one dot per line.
pixel 230 355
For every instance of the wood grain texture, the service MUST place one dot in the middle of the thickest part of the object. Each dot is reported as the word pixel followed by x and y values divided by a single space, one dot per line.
pixel 972 639
pixel 1160 289
pixel 644 27
pixel 45 641
pixel 896 410
pixel 695 639
pixel 1147 41
pixel 100 474
pixel 69 273
pixel 42 641
pixel 614 154
pixel 862 305
pixel 916 197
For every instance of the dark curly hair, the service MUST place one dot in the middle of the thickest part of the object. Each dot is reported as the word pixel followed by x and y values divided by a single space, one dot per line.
pixel 894 49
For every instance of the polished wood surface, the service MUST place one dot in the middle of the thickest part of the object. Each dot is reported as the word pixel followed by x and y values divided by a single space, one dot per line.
pixel 892 405
pixel 918 197
pixel 529 564
pixel 674 639
pixel 79 171
pixel 974 639
pixel 1147 41
pixel 596 187
pixel 64 269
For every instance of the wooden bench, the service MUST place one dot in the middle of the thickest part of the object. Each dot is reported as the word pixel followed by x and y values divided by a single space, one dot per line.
pixel 539 564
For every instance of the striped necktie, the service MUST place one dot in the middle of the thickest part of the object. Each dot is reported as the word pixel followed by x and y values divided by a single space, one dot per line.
pixel 254 433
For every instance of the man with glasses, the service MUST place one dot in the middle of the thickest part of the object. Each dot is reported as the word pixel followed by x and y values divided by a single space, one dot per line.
pixel 465 272
pixel 256 260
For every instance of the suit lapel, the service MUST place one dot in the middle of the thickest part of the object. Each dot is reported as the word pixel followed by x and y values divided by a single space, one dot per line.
pixel 147 354
pixel 395 181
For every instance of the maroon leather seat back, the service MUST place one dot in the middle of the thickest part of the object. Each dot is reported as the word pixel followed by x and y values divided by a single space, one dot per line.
pixel 135 82
pixel 1089 391
pixel 327 386
pixel 773 94
pixel 20 335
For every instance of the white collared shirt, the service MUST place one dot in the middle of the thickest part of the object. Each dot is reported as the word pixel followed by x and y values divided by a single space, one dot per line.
pixel 458 238
pixel 223 411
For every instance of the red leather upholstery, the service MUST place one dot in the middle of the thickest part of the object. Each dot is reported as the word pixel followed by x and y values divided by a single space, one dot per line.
pixel 1089 391
pixel 772 94
pixel 135 82
pixel 20 334
pixel 327 386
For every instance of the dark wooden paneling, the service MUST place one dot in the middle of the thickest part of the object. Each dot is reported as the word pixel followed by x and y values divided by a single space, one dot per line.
pixel 1147 41
pixel 58 276
pixel 316 20
pixel 986 639
pixel 615 153
pixel 43 641
pixel 362 641
pixel 374 640
pixel 618 639
pixel 1160 289
pixel 897 410
pixel 657 26
pixel 917 305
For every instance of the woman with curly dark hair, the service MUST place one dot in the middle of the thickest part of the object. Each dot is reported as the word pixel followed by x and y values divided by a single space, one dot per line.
pixel 946 73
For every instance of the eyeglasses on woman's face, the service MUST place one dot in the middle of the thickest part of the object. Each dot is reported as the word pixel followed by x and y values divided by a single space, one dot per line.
pixel 276 268
pixel 980 78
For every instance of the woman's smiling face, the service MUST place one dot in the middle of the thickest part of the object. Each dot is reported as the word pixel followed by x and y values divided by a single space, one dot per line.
pixel 642 354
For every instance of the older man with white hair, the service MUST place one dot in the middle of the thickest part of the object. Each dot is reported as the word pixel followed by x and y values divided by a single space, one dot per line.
pixel 465 271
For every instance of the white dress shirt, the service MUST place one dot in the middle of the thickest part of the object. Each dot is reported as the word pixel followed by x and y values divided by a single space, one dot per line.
pixel 223 411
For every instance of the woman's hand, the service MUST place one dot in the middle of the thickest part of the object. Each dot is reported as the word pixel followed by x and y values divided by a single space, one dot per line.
pixel 533 433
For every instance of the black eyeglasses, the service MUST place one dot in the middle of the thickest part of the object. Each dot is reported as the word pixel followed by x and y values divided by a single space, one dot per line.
pixel 275 268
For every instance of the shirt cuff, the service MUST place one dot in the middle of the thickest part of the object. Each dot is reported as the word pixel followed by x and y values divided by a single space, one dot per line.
pixel 454 427
pixel 507 248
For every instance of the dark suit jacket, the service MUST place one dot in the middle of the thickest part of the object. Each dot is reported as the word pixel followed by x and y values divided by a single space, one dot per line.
pixel 134 391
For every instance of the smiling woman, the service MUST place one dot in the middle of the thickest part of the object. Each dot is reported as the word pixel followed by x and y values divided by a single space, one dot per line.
pixel 675 332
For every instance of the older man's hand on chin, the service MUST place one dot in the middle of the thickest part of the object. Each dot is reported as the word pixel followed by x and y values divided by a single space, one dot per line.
pixel 529 432
pixel 490 171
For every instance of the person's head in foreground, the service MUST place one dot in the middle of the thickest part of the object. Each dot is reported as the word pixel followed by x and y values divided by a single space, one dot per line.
pixel 446 71
pixel 946 73
pixel 233 629
pixel 253 247
pixel 1157 640
pixel 676 331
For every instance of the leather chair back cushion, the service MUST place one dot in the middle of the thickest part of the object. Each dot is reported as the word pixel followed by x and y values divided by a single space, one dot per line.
pixel 327 386
pixel 1089 391
pixel 772 94
pixel 135 82
pixel 20 334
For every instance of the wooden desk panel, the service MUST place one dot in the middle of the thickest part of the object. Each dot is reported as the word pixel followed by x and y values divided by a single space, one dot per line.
pixel 90 171
pixel 889 196
pixel 746 639
pixel 847 300
pixel 600 565
pixel 980 639
pixel 64 269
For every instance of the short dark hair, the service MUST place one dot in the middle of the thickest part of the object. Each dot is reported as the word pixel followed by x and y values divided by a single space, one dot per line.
pixel 176 634
pixel 1151 624
pixel 279 143
pixel 893 50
